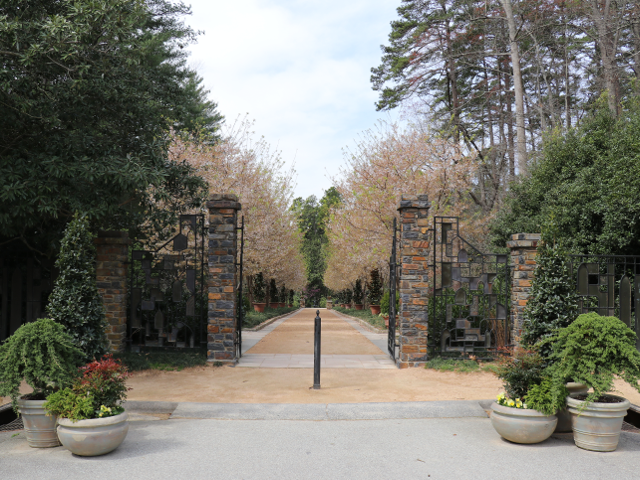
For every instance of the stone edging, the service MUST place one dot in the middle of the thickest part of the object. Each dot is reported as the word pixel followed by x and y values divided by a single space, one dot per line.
pixel 268 322
pixel 363 323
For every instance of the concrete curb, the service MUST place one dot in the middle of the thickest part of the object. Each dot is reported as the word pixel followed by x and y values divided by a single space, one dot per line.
pixel 330 411
pixel 268 322
pixel 363 323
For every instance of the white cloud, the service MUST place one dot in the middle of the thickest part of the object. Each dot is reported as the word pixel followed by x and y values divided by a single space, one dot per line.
pixel 300 68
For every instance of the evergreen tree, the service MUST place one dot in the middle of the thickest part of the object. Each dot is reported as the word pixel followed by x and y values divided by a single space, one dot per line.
pixel 75 302
pixel 554 302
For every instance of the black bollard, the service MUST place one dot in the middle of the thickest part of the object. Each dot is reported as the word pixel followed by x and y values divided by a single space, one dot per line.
pixel 316 352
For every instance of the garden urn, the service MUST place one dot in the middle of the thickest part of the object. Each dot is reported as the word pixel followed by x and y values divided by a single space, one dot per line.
pixel 522 425
pixel 94 436
pixel 39 428
pixel 375 309
pixel 597 425
pixel 564 416
pixel 259 307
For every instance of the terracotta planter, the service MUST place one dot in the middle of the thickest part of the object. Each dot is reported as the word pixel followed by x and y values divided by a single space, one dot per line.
pixel 386 321
pixel 597 426
pixel 290 306
pixel 375 309
pixel 95 436
pixel 564 416
pixel 259 307
pixel 359 306
pixel 40 429
pixel 520 425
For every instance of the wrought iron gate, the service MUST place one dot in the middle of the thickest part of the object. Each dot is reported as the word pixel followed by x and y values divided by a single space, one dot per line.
pixel 393 270
pixel 471 295
pixel 240 309
pixel 167 294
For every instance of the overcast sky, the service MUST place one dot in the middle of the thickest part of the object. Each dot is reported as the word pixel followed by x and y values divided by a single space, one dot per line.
pixel 299 68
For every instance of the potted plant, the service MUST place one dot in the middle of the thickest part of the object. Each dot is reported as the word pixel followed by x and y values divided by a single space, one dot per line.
pixel 91 419
pixel 291 295
pixel 259 293
pixel 375 292
pixel 516 415
pixel 358 295
pixel 42 354
pixel 593 350
pixel 272 293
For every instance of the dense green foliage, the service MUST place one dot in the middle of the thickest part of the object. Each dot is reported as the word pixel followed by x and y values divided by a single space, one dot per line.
pixel 70 404
pixel 374 288
pixel 553 303
pixel 42 354
pixel 312 220
pixel 520 372
pixel 358 293
pixel 177 359
pixel 585 185
pixel 253 318
pixel 273 291
pixel 593 350
pixel 259 288
pixel 546 398
pixel 88 93
pixel 75 302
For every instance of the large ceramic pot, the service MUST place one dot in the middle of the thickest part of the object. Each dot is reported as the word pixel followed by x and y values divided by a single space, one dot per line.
pixel 95 436
pixel 359 306
pixel 375 309
pixel 520 425
pixel 564 417
pixel 40 429
pixel 597 426
pixel 259 307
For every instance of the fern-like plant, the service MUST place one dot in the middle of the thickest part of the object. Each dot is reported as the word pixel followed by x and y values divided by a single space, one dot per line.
pixel 42 354
pixel 75 301
pixel 593 350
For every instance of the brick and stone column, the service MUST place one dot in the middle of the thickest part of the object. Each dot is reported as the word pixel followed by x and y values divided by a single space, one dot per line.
pixel 112 250
pixel 223 246
pixel 414 281
pixel 524 249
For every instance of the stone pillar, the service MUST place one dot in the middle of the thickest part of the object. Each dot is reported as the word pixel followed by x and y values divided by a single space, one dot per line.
pixel 112 249
pixel 524 249
pixel 414 280
pixel 223 247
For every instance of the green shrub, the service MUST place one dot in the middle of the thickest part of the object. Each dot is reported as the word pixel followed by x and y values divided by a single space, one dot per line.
pixel 75 302
pixel 357 292
pixel 520 372
pixel 547 398
pixel 375 287
pixel 366 315
pixel 162 360
pixel 70 404
pixel 593 350
pixel 253 318
pixel 42 354
pixel 384 303
pixel 323 302
pixel 259 288
pixel 554 302
pixel 273 291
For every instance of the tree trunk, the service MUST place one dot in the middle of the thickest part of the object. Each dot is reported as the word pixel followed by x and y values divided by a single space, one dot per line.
pixel 607 41
pixel 517 86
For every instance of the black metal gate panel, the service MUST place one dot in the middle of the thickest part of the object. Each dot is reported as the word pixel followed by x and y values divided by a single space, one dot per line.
pixel 610 286
pixel 167 291
pixel 471 295
pixel 240 308
pixel 393 271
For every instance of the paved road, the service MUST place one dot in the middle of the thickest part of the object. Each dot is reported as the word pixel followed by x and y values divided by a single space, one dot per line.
pixel 435 440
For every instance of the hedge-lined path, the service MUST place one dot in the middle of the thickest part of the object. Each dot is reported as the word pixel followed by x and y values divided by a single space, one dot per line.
pixel 288 343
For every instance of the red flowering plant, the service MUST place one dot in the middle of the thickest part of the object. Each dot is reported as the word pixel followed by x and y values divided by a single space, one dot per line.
pixel 97 393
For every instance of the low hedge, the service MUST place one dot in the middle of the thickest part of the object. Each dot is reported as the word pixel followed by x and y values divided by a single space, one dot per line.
pixel 253 318
pixel 366 315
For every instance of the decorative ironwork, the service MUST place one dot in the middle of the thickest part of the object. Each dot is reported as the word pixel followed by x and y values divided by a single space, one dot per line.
pixel 167 295
pixel 610 286
pixel 393 271
pixel 240 309
pixel 470 311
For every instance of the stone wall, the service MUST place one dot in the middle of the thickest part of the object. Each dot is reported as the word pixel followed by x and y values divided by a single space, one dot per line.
pixel 414 281
pixel 524 249
pixel 112 250
pixel 222 279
